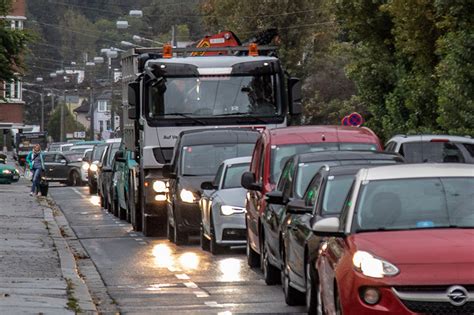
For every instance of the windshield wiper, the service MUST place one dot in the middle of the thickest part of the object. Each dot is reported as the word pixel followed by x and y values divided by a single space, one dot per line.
pixel 188 117
pixel 243 115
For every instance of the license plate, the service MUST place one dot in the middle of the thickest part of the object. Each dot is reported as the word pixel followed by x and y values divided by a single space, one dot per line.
pixel 16 177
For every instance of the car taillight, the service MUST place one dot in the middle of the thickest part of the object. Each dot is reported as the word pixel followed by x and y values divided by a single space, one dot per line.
pixel 439 140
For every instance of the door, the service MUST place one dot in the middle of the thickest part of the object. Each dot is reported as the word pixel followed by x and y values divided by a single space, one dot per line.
pixel 61 170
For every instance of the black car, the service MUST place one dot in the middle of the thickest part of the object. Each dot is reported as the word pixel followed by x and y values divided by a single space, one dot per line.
pixel 63 167
pixel 105 174
pixel 197 155
pixel 295 177
pixel 93 169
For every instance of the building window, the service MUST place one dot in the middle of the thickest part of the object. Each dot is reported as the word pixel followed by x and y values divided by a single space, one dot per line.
pixel 102 106
pixel 101 126
pixel 17 24
pixel 13 90
pixel 109 125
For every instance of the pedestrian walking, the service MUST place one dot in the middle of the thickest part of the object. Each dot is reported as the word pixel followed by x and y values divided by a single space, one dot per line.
pixel 35 162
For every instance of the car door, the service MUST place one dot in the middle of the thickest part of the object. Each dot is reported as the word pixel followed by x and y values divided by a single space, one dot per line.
pixel 49 166
pixel 207 198
pixel 253 196
pixel 62 168
pixel 299 230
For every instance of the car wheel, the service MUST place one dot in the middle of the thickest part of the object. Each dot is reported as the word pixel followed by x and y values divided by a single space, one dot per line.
pixel 74 179
pixel 169 231
pixel 271 274
pixel 312 292
pixel 92 189
pixel 216 249
pixel 253 259
pixel 203 240
pixel 292 296
pixel 115 208
pixel 179 238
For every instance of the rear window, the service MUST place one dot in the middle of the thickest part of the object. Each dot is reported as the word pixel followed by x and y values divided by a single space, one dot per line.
pixel 431 152
pixel 469 147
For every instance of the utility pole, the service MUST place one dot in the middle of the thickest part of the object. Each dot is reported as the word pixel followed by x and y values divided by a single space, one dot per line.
pixel 42 110
pixel 91 111
pixel 173 36
pixel 61 137
pixel 52 101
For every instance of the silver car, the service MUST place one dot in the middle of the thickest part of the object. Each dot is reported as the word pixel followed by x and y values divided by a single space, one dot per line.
pixel 222 207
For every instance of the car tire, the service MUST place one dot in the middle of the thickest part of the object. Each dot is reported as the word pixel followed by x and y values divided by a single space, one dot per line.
pixel 115 208
pixel 179 238
pixel 312 291
pixel 215 248
pixel 292 296
pixel 253 259
pixel 169 231
pixel 205 245
pixel 271 274
pixel 74 179
pixel 92 189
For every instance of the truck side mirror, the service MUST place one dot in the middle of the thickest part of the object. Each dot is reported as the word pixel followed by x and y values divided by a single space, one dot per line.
pixel 119 156
pixel 294 95
pixel 167 171
pixel 133 99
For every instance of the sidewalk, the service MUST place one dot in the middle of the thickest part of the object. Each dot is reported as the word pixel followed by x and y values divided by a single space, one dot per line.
pixel 37 269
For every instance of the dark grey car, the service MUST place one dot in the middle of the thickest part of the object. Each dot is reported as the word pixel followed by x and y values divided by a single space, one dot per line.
pixel 105 174
pixel 63 167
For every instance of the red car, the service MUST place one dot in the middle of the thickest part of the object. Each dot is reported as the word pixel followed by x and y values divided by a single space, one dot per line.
pixel 272 150
pixel 404 243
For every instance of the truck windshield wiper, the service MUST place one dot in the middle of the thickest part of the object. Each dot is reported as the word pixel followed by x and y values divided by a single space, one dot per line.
pixel 243 115
pixel 186 115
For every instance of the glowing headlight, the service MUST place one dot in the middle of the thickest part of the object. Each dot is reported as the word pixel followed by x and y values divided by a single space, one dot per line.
pixel 187 196
pixel 159 186
pixel 230 210
pixel 373 267
pixel 85 166
pixel 7 172
pixel 93 167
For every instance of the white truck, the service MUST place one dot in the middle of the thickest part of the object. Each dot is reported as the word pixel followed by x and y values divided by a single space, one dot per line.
pixel 167 90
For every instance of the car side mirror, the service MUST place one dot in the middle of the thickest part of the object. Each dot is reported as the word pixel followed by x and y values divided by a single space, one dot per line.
pixel 275 197
pixel 119 156
pixel 168 171
pixel 63 162
pixel 208 186
pixel 298 206
pixel 327 227
pixel 294 94
pixel 248 182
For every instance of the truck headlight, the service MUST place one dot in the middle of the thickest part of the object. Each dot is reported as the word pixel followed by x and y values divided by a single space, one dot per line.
pixel 187 196
pixel 93 168
pixel 230 210
pixel 373 267
pixel 85 166
pixel 159 186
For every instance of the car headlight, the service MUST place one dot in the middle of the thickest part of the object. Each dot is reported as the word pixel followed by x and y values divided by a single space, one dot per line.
pixel 187 196
pixel 85 166
pixel 159 186
pixel 93 168
pixel 6 172
pixel 230 210
pixel 373 267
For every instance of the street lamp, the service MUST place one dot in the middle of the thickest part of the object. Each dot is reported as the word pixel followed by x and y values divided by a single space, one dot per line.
pixel 128 44
pixel 140 39
pixel 122 24
pixel 53 75
pixel 136 13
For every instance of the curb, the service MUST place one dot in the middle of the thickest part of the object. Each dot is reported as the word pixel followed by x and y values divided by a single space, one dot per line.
pixel 68 264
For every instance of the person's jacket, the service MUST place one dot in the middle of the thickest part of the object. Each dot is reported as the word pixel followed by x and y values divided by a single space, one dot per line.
pixel 29 159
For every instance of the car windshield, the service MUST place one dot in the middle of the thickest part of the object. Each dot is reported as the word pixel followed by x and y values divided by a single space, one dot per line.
pixel 281 153
pixel 97 153
pixel 201 160
pixel 211 96
pixel 233 174
pixel 335 193
pixel 80 150
pixel 73 156
pixel 114 148
pixel 431 152
pixel 306 172
pixel 404 204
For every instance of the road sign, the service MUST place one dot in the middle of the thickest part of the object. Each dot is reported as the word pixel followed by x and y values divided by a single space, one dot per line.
pixel 355 119
pixel 79 134
pixel 345 121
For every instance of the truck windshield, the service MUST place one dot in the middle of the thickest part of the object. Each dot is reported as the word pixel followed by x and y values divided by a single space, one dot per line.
pixel 215 96
pixel 201 160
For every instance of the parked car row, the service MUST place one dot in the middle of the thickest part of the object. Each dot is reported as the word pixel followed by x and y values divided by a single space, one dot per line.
pixel 344 226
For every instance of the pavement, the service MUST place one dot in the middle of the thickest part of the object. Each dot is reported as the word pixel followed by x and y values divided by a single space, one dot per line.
pixel 38 272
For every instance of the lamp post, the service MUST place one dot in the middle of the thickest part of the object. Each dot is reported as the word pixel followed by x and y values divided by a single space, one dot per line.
pixel 140 39
pixel 40 80
pixel 61 123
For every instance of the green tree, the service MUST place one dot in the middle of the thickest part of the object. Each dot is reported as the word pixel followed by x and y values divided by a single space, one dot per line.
pixel 70 123
pixel 12 45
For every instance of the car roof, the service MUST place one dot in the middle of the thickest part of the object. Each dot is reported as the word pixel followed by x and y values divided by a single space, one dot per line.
pixel 238 160
pixel 218 135
pixel 349 169
pixel 426 170
pixel 114 140
pixel 347 155
pixel 210 61
pixel 419 138
pixel 315 134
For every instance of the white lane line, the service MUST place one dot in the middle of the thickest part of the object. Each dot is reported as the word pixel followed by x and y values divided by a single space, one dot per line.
pixel 173 269
pixel 142 243
pixel 139 239
pixel 182 276
pixel 122 224
pixel 225 313
pixel 201 294
pixel 213 304
pixel 133 234
pixel 190 285
pixel 78 192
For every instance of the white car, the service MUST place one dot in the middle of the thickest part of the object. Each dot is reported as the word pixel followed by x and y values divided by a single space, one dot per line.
pixel 432 148
pixel 86 160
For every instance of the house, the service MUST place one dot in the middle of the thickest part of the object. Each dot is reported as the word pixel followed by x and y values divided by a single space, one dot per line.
pixel 82 114
pixel 11 102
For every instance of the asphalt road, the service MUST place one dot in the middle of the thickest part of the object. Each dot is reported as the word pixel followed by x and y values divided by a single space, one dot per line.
pixel 152 275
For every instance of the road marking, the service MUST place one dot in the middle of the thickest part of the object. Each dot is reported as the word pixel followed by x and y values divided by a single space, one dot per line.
pixel 139 239
pixel 225 313
pixel 142 243
pixel 190 285
pixel 122 224
pixel 182 276
pixel 213 304
pixel 201 294
pixel 133 234
pixel 78 192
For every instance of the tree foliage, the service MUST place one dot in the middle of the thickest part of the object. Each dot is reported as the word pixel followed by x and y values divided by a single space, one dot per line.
pixel 12 45
pixel 70 123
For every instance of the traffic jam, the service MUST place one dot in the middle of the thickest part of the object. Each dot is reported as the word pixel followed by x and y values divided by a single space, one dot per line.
pixel 342 222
